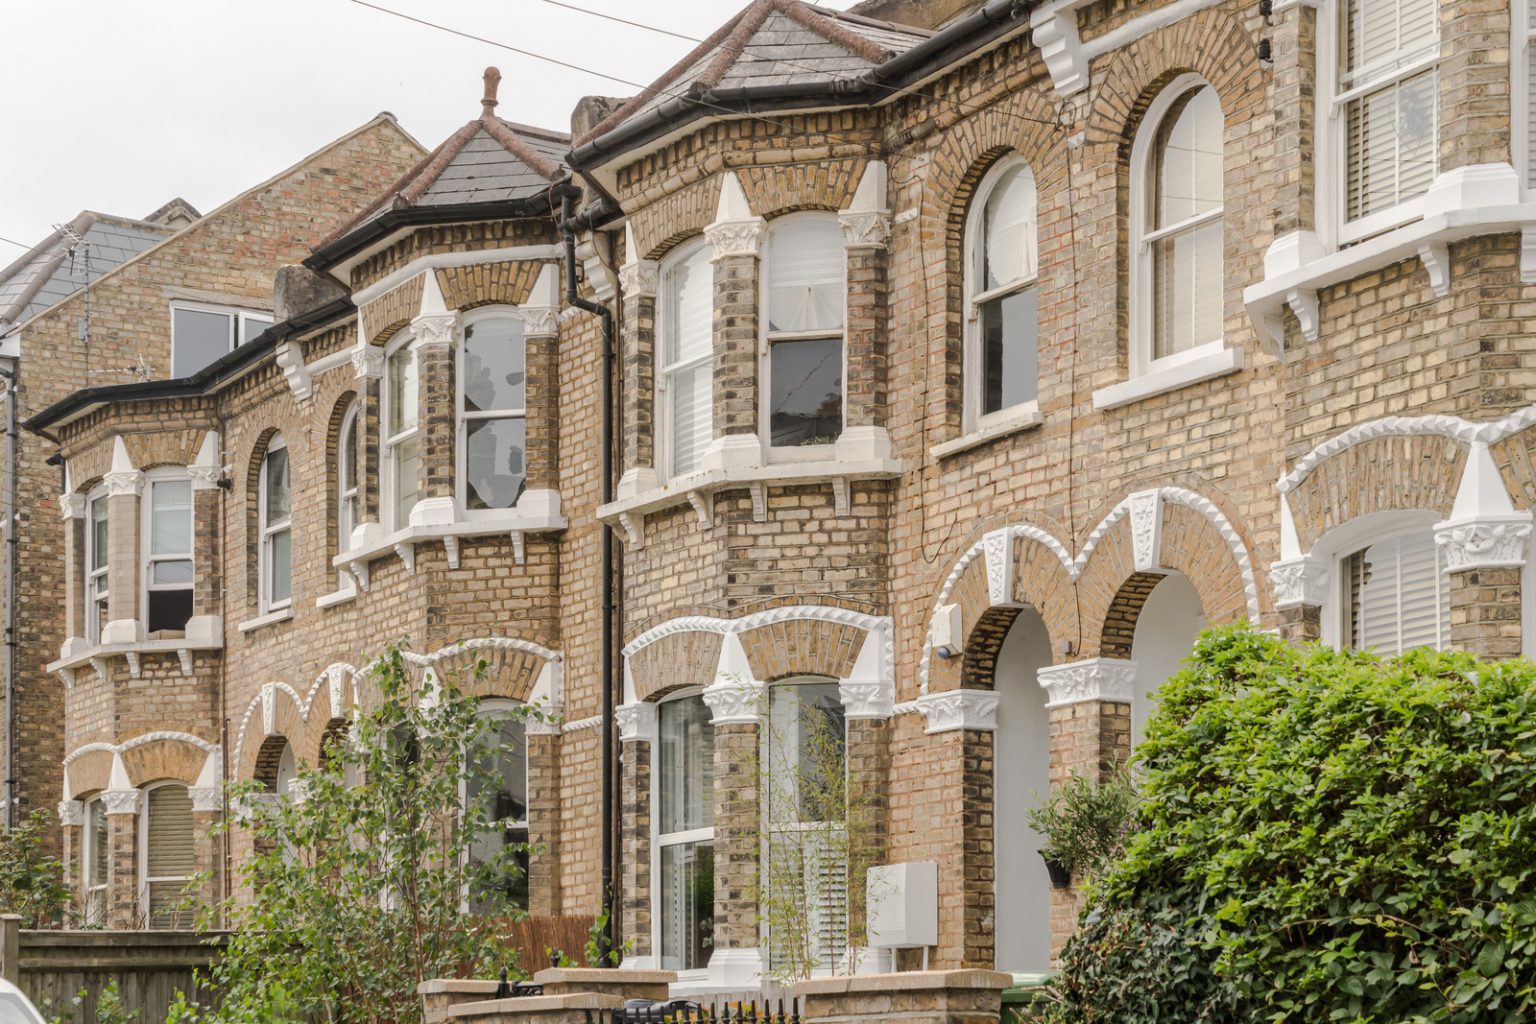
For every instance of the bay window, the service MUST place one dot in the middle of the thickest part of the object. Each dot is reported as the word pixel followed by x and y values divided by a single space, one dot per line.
pixel 168 554
pixel 402 444
pixel 493 432
pixel 275 520
pixel 803 300
pixel 498 858
pixel 1395 594
pixel 1001 310
pixel 168 860
pixel 685 369
pixel 684 844
pixel 96 571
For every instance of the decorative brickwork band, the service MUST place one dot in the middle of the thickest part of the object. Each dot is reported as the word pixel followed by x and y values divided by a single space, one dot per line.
pixel 637 722
pixel 1094 679
pixel 959 709
pixel 1484 542
pixel 1299 581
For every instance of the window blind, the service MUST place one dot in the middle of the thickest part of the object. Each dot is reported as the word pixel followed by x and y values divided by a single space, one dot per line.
pixel 1398 596
pixel 688 354
pixel 170 859
pixel 805 276
pixel 1391 115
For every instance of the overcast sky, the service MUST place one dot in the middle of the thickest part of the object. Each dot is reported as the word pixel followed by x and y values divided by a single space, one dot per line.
pixel 118 107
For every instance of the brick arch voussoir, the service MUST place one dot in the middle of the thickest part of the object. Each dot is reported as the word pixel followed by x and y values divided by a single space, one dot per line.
pixel 269 756
pixel 89 773
pixel 1192 545
pixel 802 647
pixel 1384 474
pixel 509 674
pixel 164 760
pixel 675 661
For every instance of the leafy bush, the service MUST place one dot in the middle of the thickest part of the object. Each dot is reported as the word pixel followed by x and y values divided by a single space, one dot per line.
pixel 1084 821
pixel 1322 836
pixel 357 891
pixel 31 880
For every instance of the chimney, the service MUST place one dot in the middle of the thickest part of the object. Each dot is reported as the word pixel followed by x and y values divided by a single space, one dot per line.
pixel 488 102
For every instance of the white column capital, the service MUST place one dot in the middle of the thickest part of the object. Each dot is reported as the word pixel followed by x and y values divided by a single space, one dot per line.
pixel 1093 679
pixel 204 478
pixel 435 330
pixel 640 278
pixel 959 709
pixel 1299 581
pixel 865 229
pixel 1485 541
pixel 735 702
pixel 539 321
pixel 123 801
pixel 637 722
pixel 125 481
pixel 368 363
pixel 72 506
pixel 72 813
pixel 206 799
pixel 736 237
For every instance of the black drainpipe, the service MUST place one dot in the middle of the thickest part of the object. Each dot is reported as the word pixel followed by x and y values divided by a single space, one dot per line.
pixel 568 227
pixel 11 547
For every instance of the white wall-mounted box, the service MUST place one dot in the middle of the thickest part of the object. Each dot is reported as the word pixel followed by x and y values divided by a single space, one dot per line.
pixel 903 901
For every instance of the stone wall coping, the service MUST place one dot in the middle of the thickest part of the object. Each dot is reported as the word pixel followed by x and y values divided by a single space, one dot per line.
pixel 680 490
pixel 603 976
pixel 517 1008
pixel 906 981
pixel 438 986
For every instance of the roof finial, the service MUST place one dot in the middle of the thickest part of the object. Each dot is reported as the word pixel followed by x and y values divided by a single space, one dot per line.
pixel 492 80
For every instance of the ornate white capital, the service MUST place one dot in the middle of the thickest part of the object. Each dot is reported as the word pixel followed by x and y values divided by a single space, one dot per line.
pixel 539 321
pixel 71 812
pixel 637 722
pixel 435 330
pixel 867 229
pixel 125 481
pixel 870 698
pixel 368 363
pixel 1093 679
pixel 547 726
pixel 640 279
pixel 123 801
pixel 298 791
pixel 206 799
pixel 72 506
pixel 735 702
pixel 959 709
pixel 1484 542
pixel 1299 581
pixel 204 478
pixel 736 237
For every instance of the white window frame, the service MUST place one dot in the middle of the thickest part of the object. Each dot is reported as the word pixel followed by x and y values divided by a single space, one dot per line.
pixel 662 442
pixel 146 536
pixel 1332 170
pixel 766 339
pixel 238 316
pixel 973 419
pixel 1522 42
pixel 92 622
pixel 267 531
pixel 1344 541
pixel 463 418
pixel 94 903
pixel 1143 311
pixel 390 442
pixel 144 878
pixel 660 841
pixel 487 709
pixel 346 496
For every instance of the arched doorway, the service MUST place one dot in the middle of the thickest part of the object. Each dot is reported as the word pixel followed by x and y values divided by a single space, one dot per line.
pixel 1166 628
pixel 1021 765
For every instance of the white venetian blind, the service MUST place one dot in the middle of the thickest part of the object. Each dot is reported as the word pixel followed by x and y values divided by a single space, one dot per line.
pixel 1389 88
pixel 1399 599
pixel 169 860
pixel 687 357
pixel 805 276
pixel 1528 39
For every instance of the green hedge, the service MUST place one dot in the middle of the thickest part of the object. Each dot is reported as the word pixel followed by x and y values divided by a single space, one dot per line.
pixel 1324 836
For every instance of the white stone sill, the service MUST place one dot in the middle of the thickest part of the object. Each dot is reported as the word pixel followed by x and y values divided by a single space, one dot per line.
pixel 1160 382
pixel 1266 301
pixel 80 657
pixel 706 481
pixel 269 619
pixel 336 597
pixel 976 438
pixel 417 534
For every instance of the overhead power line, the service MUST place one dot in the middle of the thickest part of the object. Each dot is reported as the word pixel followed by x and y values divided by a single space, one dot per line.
pixel 14 242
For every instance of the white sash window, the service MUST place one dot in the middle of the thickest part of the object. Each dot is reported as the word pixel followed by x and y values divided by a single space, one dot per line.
pixel 346 483
pixel 1001 309
pixel 402 445
pixel 275 505
pixel 683 845
pixel 168 861
pixel 685 364
pixel 493 432
pixel 804 291
pixel 96 572
pixel 168 554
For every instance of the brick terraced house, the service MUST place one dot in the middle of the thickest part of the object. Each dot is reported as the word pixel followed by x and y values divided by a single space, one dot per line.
pixel 956 364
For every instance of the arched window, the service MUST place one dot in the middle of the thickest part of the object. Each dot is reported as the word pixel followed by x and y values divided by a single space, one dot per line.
pixel 685 359
pixel 96 566
pixel 804 295
pixel 346 480
pixel 493 434
pixel 275 520
pixel 1176 243
pixel 167 860
pixel 167 552
pixel 402 445
pixel 1395 594
pixel 94 866
pixel 1001 312
pixel 806 821
pixel 683 841
pixel 500 790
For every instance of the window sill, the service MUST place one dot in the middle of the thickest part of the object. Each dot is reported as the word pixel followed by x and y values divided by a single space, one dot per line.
pixel 1160 382
pixel 269 619
pixel 1024 421
pixel 378 544
pixel 336 597
pixel 76 655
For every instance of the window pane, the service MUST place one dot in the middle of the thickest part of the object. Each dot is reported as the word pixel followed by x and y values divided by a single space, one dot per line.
pixel 97 822
pixel 1393 144
pixel 198 337
pixel 1188 152
pixel 171 573
pixel 500 791
pixel 407 460
pixel 806 744
pixel 806 391
pixel 170 851
pixel 99 533
pixel 494 365
pixel 252 326
pixel 169 610
pixel 1398 596
pixel 346 456
pixel 805 275
pixel 1008 248
pixel 280 566
pixel 1009 361
pixel 692 416
pixel 170 517
pixel 686 774
pixel 402 390
pixel 279 493
pixel 1187 289
pixel 494 462
pixel 688 308
pixel 687 905
pixel 1382 36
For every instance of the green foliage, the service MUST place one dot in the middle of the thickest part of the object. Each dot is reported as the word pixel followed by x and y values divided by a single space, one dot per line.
pixel 31 880
pixel 184 1010
pixel 598 953
pixel 110 1008
pixel 1322 836
pixel 1084 822
pixel 356 891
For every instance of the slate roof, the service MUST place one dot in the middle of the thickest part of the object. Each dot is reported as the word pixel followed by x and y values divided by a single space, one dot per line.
pixel 489 160
pixel 774 43
pixel 47 273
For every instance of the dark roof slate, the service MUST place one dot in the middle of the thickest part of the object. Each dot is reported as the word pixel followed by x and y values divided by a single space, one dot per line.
pixel 47 274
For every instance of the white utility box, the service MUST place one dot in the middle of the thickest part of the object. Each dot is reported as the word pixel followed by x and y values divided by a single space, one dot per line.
pixel 903 905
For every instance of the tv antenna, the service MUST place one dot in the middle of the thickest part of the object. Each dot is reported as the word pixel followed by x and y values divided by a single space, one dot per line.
pixel 79 247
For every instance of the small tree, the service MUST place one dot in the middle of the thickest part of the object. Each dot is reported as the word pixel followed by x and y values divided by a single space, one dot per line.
pixel 359 884
pixel 31 879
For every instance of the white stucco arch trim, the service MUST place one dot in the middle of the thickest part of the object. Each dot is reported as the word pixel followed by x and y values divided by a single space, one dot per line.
pixel 212 770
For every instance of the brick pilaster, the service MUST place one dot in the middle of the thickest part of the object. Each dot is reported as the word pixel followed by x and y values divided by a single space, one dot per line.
pixel 206 851
pixel 72 508
pixel 541 338
pixel 737 835
pixel 436 346
pixel 735 334
pixel 864 385
pixel 207 565
pixel 1486 612
pixel 977 858
pixel 637 353
pixel 544 822
pixel 123 810
pixel 1474 83
pixel 124 489
pixel 636 825
pixel 368 370
pixel 1293 41
pixel 869 765
pixel 1301 624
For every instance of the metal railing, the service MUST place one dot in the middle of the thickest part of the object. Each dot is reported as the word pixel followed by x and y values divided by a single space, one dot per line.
pixel 683 1011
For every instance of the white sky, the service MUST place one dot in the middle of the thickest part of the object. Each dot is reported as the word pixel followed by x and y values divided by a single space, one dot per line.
pixel 119 106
